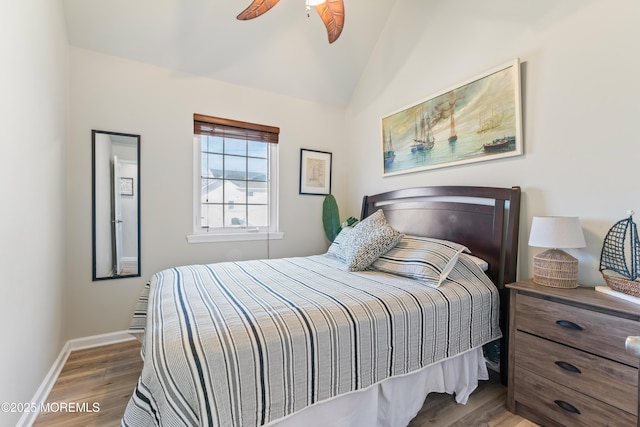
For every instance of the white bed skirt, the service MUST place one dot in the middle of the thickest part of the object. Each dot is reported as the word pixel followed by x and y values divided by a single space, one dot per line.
pixel 395 401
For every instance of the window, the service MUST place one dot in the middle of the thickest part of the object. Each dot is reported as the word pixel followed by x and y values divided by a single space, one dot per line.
pixel 235 180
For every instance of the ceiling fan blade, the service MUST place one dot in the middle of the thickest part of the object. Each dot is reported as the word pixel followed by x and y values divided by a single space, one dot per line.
pixel 257 8
pixel 332 14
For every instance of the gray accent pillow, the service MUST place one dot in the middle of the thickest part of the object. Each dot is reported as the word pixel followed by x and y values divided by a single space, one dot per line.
pixel 424 259
pixel 369 239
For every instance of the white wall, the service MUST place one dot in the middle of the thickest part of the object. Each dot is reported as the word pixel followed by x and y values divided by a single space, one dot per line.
pixel 580 90
pixel 33 107
pixel 113 94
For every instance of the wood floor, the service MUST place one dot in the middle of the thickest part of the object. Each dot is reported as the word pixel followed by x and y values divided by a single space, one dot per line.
pixel 106 376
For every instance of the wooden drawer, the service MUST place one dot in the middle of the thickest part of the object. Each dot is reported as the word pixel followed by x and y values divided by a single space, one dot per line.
pixel 547 399
pixel 612 382
pixel 595 332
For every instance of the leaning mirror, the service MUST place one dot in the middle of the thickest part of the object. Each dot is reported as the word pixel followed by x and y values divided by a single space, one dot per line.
pixel 116 205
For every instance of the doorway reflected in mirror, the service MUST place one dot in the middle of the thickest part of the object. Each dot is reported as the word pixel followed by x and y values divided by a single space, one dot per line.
pixel 116 205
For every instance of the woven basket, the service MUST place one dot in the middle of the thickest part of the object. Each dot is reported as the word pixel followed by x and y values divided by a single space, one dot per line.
pixel 620 284
pixel 556 269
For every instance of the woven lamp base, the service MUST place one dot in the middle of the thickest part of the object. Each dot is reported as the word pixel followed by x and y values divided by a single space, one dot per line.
pixel 555 268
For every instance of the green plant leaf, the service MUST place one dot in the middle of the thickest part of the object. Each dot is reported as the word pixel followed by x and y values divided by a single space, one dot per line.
pixel 330 217
pixel 349 222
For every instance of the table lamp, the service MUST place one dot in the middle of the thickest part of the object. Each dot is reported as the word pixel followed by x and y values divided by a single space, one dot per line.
pixel 554 267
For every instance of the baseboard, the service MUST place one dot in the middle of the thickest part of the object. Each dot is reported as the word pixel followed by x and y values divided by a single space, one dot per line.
pixel 28 418
pixel 99 340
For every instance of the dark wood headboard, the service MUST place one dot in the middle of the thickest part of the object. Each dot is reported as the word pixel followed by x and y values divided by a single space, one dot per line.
pixel 484 219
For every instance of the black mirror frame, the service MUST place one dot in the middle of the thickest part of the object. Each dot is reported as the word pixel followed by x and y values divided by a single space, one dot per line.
pixel 93 204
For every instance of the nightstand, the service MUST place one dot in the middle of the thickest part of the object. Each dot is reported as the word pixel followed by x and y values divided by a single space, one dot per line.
pixel 567 360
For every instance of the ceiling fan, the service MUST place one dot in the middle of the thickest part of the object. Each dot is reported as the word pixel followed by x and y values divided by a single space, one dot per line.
pixel 331 12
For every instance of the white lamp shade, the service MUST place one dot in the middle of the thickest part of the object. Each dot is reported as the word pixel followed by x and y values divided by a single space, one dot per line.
pixel 562 232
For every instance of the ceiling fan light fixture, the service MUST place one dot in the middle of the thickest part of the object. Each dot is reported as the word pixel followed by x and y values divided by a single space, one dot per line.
pixel 313 3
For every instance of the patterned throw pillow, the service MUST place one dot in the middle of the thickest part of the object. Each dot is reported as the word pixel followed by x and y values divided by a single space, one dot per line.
pixel 369 239
pixel 421 258
pixel 337 247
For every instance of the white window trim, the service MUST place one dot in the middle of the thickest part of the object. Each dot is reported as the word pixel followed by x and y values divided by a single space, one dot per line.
pixel 199 235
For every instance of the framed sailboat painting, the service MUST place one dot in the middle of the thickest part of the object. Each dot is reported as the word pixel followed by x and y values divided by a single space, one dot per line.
pixel 477 120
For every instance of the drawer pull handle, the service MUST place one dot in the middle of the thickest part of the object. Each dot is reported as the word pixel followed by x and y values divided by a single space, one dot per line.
pixel 569 325
pixel 567 406
pixel 568 367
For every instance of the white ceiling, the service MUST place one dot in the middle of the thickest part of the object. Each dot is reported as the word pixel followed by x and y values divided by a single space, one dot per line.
pixel 281 51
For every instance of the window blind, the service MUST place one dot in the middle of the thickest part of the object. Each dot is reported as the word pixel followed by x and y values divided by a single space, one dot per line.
pixel 227 128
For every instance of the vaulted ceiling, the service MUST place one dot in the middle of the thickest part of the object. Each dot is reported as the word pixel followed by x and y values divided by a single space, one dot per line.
pixel 282 51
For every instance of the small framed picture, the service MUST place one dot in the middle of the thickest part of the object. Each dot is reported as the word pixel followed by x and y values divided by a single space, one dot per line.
pixel 126 186
pixel 315 172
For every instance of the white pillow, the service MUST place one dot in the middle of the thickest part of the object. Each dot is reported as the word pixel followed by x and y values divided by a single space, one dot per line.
pixel 369 239
pixel 424 259
pixel 467 272
pixel 484 265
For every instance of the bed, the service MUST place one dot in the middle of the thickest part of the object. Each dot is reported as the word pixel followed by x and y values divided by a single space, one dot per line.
pixel 306 341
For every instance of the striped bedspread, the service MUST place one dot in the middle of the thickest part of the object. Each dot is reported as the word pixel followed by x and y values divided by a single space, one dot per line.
pixel 246 343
